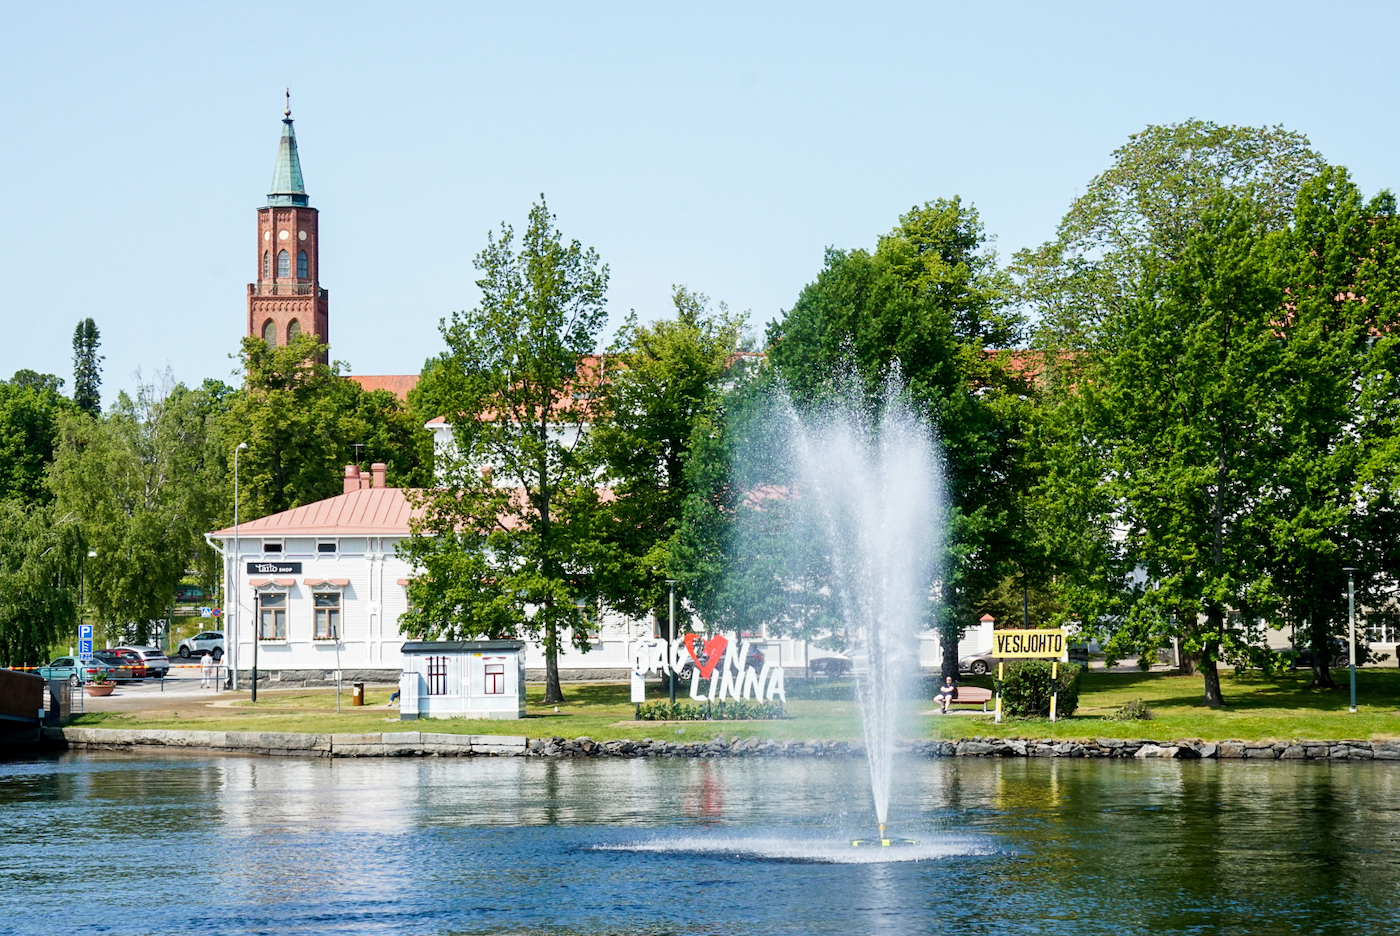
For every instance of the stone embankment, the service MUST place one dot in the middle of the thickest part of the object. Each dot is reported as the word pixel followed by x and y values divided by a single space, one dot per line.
pixel 428 744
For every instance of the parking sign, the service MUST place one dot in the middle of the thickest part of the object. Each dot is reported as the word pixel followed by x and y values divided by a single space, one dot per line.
pixel 85 641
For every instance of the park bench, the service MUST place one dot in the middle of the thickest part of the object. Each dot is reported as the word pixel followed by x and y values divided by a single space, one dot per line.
pixel 971 695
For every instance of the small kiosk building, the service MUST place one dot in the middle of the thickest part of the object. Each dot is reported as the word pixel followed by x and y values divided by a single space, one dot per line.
pixel 462 679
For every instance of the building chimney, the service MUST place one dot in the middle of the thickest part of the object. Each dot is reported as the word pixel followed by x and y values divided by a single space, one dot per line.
pixel 377 471
pixel 352 478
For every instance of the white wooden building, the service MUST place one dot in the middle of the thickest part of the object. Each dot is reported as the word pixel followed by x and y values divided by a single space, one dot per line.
pixel 462 679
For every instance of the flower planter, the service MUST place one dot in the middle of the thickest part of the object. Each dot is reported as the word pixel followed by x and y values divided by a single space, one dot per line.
pixel 92 690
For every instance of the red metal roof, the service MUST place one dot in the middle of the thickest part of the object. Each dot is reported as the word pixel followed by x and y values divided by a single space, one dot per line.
pixel 366 512
pixel 397 384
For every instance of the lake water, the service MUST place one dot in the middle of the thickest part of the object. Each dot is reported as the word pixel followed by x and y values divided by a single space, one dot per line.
pixel 109 843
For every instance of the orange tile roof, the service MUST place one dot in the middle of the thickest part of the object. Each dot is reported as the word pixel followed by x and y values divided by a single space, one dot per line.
pixel 397 384
pixel 366 512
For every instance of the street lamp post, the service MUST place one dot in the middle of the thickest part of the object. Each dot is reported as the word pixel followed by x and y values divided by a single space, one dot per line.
pixel 671 643
pixel 235 593
pixel 1351 618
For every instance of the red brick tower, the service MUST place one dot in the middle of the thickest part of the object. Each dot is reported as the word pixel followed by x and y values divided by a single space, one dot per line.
pixel 287 299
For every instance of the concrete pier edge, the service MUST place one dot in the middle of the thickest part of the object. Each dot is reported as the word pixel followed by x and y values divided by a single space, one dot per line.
pixel 431 744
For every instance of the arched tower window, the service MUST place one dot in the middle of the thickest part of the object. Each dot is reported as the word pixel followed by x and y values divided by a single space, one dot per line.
pixel 293 327
pixel 270 331
pixel 284 263
pixel 303 267
pixel 267 263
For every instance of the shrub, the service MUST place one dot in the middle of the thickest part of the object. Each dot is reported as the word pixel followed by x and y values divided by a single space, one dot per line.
pixel 1026 688
pixel 662 710
pixel 1135 710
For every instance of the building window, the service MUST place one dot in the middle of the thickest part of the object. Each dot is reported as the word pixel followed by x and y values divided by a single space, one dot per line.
pixel 267 263
pixel 272 546
pixel 303 267
pixel 326 546
pixel 270 333
pixel 284 263
pixel 327 605
pixel 272 616
pixel 437 675
pixel 495 679
pixel 293 329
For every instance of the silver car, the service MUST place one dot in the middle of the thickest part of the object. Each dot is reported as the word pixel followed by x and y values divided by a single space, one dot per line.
pixel 157 664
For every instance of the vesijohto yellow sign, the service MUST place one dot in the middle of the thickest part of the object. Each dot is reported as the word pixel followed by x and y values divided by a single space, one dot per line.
pixel 1028 643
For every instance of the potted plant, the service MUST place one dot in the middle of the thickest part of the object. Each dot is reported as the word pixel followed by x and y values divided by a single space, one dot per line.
pixel 100 685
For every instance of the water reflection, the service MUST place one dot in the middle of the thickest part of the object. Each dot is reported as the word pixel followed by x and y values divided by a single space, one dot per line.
pixel 234 845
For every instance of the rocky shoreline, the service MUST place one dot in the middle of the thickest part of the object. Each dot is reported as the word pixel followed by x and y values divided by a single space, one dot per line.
pixel 430 744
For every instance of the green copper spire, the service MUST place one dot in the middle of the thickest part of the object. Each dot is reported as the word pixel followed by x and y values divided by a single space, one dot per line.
pixel 287 187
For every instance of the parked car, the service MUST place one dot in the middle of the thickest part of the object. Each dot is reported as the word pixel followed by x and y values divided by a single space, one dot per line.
pixel 979 664
pixel 831 666
pixel 200 644
pixel 157 664
pixel 125 664
pixel 1337 655
pixel 189 594
pixel 75 670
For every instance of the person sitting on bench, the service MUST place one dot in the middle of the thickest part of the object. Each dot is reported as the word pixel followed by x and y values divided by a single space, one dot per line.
pixel 946 692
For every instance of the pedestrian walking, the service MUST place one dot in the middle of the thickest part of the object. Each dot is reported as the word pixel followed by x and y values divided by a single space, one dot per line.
pixel 206 671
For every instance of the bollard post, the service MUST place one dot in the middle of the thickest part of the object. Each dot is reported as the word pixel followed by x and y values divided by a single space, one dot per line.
pixel 1054 686
pixel 1001 674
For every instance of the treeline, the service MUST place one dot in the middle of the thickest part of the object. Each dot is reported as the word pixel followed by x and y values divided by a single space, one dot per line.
pixel 103 512
pixel 1175 421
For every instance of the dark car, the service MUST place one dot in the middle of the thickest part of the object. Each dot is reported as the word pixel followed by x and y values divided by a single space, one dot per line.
pixel 831 667
pixel 189 594
pixel 1337 655
pixel 125 665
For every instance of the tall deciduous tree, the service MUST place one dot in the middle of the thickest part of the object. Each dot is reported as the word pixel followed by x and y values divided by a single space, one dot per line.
pixel 931 299
pixel 1142 209
pixel 1330 492
pixel 30 408
pixel 40 553
pixel 1176 399
pixel 660 383
pixel 304 422
pixel 500 543
pixel 87 368
pixel 141 484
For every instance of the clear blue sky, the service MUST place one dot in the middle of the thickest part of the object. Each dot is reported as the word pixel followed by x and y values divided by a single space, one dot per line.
pixel 722 146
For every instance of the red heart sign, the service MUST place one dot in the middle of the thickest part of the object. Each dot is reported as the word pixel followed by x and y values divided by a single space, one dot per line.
pixel 713 651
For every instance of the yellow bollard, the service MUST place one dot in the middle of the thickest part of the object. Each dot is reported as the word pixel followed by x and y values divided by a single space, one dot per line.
pixel 1054 687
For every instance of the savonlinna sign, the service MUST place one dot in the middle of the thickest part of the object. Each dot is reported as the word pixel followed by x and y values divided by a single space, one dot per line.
pixel 1028 644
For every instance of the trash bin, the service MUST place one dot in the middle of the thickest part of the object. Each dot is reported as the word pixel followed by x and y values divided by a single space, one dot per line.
pixel 357 694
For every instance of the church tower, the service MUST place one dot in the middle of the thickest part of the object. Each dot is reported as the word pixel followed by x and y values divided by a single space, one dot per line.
pixel 287 299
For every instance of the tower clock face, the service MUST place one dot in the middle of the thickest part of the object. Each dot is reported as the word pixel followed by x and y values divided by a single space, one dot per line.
pixel 301 235
pixel 267 235
pixel 283 235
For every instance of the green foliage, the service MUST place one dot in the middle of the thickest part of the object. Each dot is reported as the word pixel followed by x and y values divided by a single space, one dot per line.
pixel 930 301
pixel 503 543
pixel 661 384
pixel 143 484
pixel 1136 710
pixel 30 409
pixel 1027 686
pixel 743 710
pixel 40 556
pixel 87 368
pixel 304 422
pixel 1142 209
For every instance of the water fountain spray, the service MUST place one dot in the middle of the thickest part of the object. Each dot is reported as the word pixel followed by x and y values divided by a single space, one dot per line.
pixel 871 482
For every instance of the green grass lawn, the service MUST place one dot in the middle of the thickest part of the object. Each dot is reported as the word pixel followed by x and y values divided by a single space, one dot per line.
pixel 1277 707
